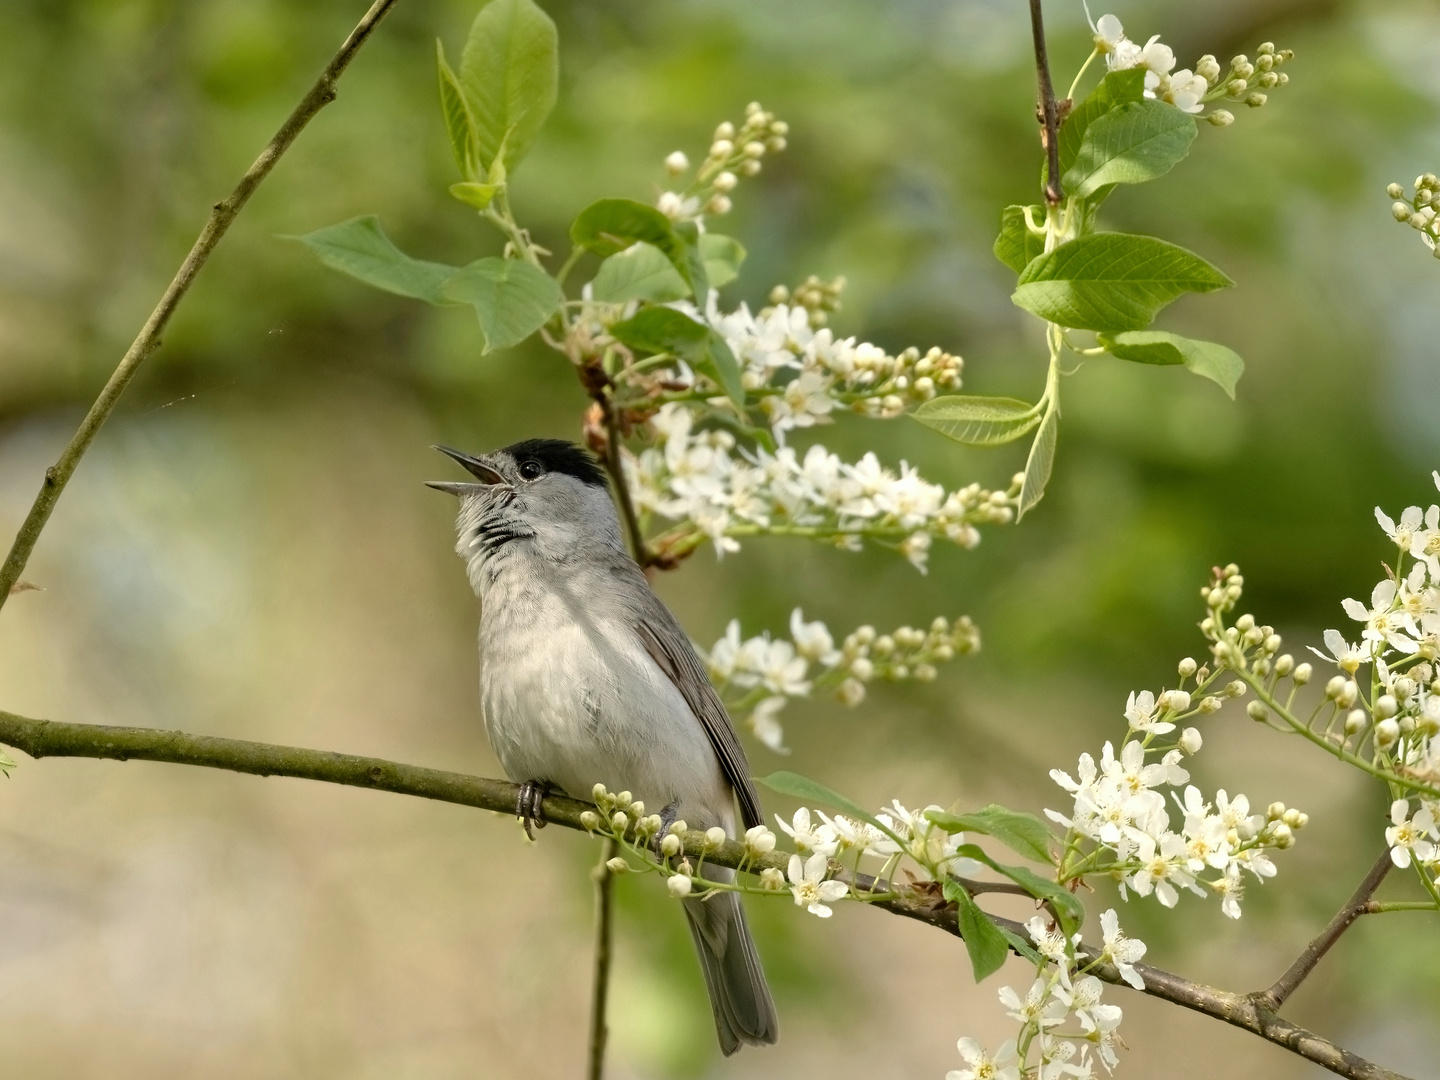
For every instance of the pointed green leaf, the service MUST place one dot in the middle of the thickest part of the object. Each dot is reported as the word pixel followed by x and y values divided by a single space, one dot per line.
pixel 610 226
pixel 512 298
pixel 1112 281
pixel 1038 464
pixel 1130 144
pixel 1220 365
pixel 1069 909
pixel 809 791
pixel 1023 833
pixel 984 941
pixel 693 269
pixel 476 195
pixel 1115 89
pixel 360 248
pixel 640 272
pixel 723 256
pixel 1016 245
pixel 665 330
pixel 458 122
pixel 510 74
pixel 978 421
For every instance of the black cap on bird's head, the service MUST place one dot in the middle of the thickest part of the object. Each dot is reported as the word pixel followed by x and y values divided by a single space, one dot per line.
pixel 523 462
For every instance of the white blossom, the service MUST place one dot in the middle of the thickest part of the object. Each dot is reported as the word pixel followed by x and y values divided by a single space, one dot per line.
pixel 981 1066
pixel 1407 836
pixel 808 884
pixel 1124 952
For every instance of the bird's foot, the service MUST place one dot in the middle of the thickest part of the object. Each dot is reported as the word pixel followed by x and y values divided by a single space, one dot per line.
pixel 529 806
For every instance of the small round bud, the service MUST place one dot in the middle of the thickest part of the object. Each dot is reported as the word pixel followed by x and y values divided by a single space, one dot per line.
pixel 1400 211
pixel 1268 79
pixel 772 879
pixel 1257 711
pixel 1190 740
pixel 726 181
pixel 1302 674
pixel 924 673
pixel 722 148
pixel 1355 721
pixel 851 692
pixel 1236 87
pixel 1386 732
pixel 1175 700
pixel 1293 818
pixel 749 167
pixel 1267 48
pixel 1275 811
pixel 714 838
pixel 636 809
pixel 753 149
pixel 1271 644
pixel 679 828
pixel 1386 706
pixel 1349 693
pixel 1220 117
pixel 1282 835
pixel 1255 99
pixel 1264 62
pixel 718 204
pixel 623 800
pixel 619 821
pixel 589 820
pixel 1403 688
pixel 759 841
pixel 1208 69
pixel 1335 687
pixel 1245 623
pixel 779 127
pixel 1284 664
pixel 678 885
pixel 1395 191
pixel 725 131
pixel 1210 705
pixel 1187 668
pixel 676 163
pixel 671 846
pixel 1235 689
pixel 775 143
pixel 617 865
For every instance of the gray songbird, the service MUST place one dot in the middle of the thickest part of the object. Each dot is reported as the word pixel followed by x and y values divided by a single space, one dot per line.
pixel 586 678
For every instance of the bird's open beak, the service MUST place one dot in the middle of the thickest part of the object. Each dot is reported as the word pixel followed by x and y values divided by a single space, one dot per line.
pixel 487 476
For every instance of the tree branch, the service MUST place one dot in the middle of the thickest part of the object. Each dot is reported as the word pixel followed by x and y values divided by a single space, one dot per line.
pixel 1049 111
pixel 600 991
pixel 44 738
pixel 148 340
pixel 1305 963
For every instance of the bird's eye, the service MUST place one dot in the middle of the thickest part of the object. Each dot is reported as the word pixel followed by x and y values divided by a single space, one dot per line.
pixel 531 470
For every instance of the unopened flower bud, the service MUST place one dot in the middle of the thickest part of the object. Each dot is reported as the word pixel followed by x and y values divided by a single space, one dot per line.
pixel 671 846
pixel 1294 818
pixel 771 878
pixel 1284 664
pixel 589 820
pixel 1335 687
pixel 1282 835
pixel 749 167
pixel 1386 732
pixel 1355 721
pixel 679 828
pixel 1190 740
pixel 851 692
pixel 1386 706
pixel 1348 694
pixel 637 810
pixel 726 181
pixel 617 865
pixel 725 131
pixel 1220 117
pixel 1275 811
pixel 1403 688
pixel 1187 668
pixel 753 149
pixel 1271 644
pixel 862 669
pixel 619 821
pixel 623 800
pixel 714 838
pixel 718 204
pixel 759 841
pixel 1208 68
pixel 1175 700
pixel 721 148
pixel 1395 191
pixel 775 143
pixel 1235 689
pixel 1400 211
pixel 676 163
pixel 1255 99
pixel 678 885
pixel 1257 710
pixel 924 673
pixel 1302 674
pixel 1210 705
pixel 1245 623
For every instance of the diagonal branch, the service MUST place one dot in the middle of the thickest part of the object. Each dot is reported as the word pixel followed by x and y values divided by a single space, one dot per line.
pixel 1305 963
pixel 1049 111
pixel 148 340
pixel 44 738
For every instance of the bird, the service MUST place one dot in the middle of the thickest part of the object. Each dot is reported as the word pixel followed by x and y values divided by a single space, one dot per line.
pixel 586 677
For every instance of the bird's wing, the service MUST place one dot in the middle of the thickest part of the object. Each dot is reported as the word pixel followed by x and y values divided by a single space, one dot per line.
pixel 671 649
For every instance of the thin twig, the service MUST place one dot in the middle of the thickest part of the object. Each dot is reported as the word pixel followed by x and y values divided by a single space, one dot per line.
pixel 1049 110
pixel 43 738
pixel 600 991
pixel 148 340
pixel 614 465
pixel 1305 963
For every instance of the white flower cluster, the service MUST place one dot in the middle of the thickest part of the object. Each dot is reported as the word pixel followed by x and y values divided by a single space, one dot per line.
pixel 1063 1021
pixel 905 834
pixel 1187 90
pixel 1422 211
pixel 1119 808
pixel 733 153
pixel 720 492
pixel 762 674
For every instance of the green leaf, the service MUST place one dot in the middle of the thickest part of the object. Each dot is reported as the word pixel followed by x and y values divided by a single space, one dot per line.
pixel 1038 464
pixel 693 270
pixel 1069 909
pixel 984 941
pixel 510 74
pixel 640 272
pixel 723 256
pixel 511 297
pixel 1117 88
pixel 665 330
pixel 1112 281
pixel 1021 945
pixel 1017 245
pixel 476 195
pixel 978 421
pixel 809 791
pixel 360 248
pixel 610 226
pixel 1220 365
pixel 1023 833
pixel 458 122
pixel 1130 144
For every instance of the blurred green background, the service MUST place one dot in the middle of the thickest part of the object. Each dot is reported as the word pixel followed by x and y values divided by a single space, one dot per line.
pixel 248 549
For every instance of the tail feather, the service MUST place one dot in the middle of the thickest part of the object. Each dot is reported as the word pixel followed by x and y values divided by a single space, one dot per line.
pixel 740 999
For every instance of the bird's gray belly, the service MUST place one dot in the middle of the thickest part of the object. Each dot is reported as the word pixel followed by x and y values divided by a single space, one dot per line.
pixel 574 704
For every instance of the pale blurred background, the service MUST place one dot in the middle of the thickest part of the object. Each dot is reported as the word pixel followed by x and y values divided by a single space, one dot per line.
pixel 248 549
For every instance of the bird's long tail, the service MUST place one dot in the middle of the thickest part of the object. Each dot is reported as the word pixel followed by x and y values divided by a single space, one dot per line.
pixel 739 997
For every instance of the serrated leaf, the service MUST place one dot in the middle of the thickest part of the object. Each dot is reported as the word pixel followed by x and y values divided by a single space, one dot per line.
pixel 810 791
pixel 1023 833
pixel 1070 911
pixel 1129 144
pixel 640 272
pixel 512 298
pixel 1112 281
pixel 978 421
pixel 987 945
pixel 665 330
pixel 1115 89
pixel 459 124
pixel 1221 365
pixel 472 194
pixel 360 248
pixel 1040 461
pixel 694 270
pixel 509 72
pixel 1016 245
pixel 610 226
pixel 722 256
